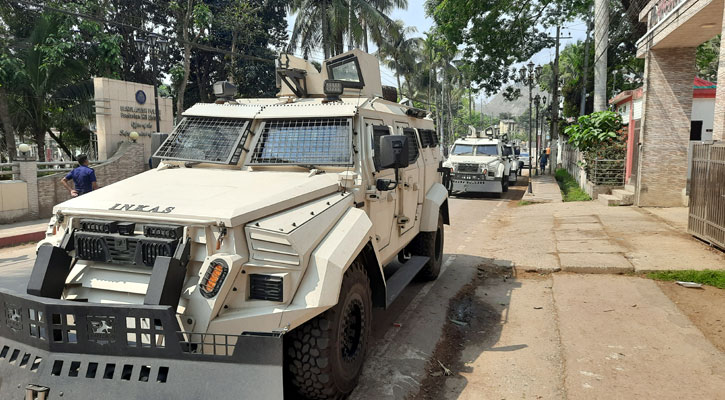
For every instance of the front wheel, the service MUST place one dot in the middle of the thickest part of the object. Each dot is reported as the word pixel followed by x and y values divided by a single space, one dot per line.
pixel 505 184
pixel 325 355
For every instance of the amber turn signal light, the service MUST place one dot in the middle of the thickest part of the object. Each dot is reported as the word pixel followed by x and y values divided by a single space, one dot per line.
pixel 213 279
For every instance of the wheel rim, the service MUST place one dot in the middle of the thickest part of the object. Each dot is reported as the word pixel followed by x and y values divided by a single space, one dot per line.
pixel 353 324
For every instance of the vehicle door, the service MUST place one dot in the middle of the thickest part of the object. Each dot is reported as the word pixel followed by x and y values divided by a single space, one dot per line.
pixel 411 200
pixel 382 205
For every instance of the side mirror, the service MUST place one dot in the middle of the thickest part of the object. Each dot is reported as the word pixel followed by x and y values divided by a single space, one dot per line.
pixel 394 151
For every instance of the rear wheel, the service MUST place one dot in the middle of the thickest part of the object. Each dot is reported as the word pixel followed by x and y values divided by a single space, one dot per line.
pixel 429 244
pixel 325 355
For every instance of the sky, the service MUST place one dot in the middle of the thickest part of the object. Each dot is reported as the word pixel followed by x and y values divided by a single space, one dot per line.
pixel 415 16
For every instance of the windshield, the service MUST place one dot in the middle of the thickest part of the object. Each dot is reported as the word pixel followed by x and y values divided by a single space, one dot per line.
pixel 203 139
pixel 305 142
pixel 487 150
pixel 462 150
pixel 524 154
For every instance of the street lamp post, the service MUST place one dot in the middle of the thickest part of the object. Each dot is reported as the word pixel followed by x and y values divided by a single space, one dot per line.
pixel 154 45
pixel 528 76
pixel 537 101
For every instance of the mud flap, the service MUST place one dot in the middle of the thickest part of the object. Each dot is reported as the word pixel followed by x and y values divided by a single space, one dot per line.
pixel 84 351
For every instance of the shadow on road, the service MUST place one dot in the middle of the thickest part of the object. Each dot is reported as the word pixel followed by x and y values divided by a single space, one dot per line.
pixel 472 323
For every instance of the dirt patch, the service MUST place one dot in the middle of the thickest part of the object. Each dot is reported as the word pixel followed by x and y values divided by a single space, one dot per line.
pixel 704 307
pixel 469 320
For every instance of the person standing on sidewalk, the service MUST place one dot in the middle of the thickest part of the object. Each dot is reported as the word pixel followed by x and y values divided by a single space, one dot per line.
pixel 544 159
pixel 83 176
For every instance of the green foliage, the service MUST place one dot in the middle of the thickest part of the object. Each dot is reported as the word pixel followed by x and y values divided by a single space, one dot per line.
pixel 714 278
pixel 594 130
pixel 495 34
pixel 570 190
pixel 707 58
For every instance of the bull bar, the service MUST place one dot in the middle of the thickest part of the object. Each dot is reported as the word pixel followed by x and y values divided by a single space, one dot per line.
pixel 59 349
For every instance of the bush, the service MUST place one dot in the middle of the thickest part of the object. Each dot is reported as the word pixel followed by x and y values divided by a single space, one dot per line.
pixel 598 136
pixel 570 190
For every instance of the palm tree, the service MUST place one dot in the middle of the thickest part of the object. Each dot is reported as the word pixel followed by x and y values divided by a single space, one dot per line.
pixel 325 23
pixel 400 52
pixel 52 86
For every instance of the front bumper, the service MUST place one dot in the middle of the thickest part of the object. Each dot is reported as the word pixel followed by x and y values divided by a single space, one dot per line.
pixel 81 351
pixel 474 183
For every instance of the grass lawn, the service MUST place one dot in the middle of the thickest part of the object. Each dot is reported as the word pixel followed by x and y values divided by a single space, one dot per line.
pixel 706 277
pixel 570 190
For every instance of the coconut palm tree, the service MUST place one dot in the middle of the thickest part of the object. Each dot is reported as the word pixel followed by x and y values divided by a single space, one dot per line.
pixel 325 23
pixel 400 52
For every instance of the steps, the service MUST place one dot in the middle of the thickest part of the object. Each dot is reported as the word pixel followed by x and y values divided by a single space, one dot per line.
pixel 619 197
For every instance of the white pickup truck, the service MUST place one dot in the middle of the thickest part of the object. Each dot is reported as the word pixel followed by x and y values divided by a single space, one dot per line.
pixel 478 165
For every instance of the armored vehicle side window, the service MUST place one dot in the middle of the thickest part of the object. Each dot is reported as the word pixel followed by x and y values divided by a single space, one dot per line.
pixel 425 138
pixel 203 139
pixel 307 142
pixel 412 145
pixel 462 150
pixel 378 132
pixel 434 136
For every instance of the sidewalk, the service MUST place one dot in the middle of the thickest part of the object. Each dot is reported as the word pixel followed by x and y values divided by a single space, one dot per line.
pixel 545 190
pixel 589 237
pixel 22 232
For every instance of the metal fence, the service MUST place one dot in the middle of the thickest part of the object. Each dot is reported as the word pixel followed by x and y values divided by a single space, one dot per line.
pixel 9 171
pixel 607 172
pixel 707 193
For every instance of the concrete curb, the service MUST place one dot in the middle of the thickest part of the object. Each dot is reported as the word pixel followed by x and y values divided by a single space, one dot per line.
pixel 15 240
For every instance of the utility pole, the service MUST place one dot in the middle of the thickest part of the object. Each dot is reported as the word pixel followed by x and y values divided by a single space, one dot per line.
pixel 583 102
pixel 554 130
pixel 601 43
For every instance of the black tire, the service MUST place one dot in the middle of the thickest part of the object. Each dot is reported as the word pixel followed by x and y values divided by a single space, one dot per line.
pixel 325 355
pixel 505 184
pixel 429 244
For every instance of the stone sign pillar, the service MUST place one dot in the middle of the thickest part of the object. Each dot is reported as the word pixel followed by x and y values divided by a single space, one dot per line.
pixel 665 134
pixel 124 107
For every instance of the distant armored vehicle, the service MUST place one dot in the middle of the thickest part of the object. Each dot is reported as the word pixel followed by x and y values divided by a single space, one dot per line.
pixel 257 245
pixel 479 164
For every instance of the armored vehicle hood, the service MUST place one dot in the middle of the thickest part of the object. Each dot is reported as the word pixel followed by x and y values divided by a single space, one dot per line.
pixel 201 195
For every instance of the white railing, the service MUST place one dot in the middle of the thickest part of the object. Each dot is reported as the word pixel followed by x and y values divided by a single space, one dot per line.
pixel 9 169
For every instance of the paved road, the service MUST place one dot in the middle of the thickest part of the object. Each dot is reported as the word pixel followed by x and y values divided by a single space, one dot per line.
pixel 15 265
pixel 406 334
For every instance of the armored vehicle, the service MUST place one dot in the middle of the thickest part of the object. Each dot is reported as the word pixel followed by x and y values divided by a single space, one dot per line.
pixel 478 164
pixel 251 256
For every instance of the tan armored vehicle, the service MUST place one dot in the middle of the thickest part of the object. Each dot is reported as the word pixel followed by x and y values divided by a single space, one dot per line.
pixel 253 255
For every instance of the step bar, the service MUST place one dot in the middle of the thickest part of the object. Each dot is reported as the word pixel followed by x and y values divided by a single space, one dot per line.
pixel 402 277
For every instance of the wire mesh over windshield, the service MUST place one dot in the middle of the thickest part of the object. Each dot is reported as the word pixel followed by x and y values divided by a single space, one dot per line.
pixel 203 139
pixel 326 141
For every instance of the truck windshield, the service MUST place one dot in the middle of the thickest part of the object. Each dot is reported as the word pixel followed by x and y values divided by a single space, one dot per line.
pixel 203 139
pixel 487 150
pixel 463 150
pixel 307 142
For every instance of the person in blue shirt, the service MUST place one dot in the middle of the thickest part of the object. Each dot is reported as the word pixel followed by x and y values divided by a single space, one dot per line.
pixel 83 176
